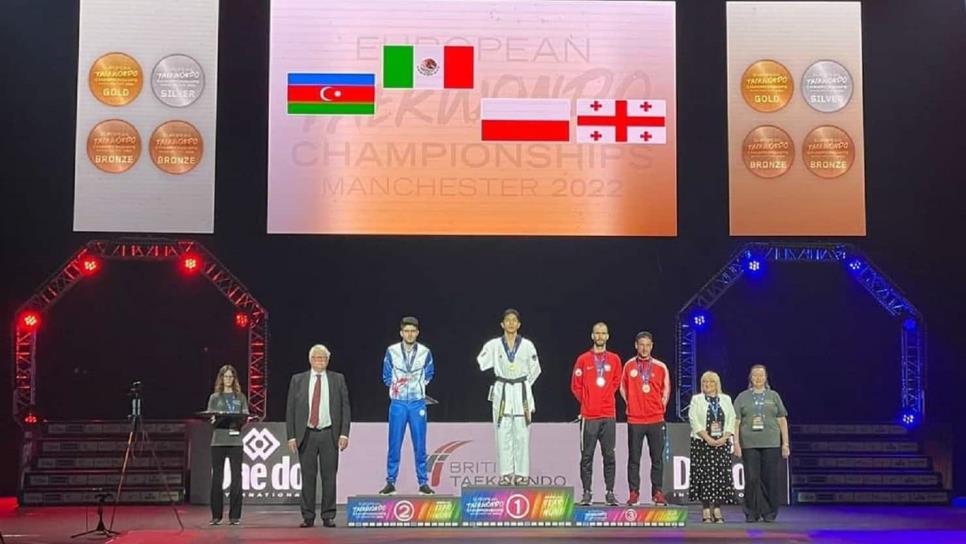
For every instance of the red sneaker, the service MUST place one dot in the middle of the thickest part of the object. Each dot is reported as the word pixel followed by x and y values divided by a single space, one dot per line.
pixel 658 498
pixel 633 498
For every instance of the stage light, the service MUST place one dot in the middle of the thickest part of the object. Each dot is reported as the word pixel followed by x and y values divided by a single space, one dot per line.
pixel 190 263
pixel 753 266
pixel 90 265
pixel 29 320
pixel 241 320
pixel 909 419
pixel 700 319
pixel 31 416
pixel 855 265
pixel 910 324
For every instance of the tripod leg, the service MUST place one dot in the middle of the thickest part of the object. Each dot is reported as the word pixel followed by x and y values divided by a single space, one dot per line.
pixel 146 441
pixel 120 483
pixel 100 529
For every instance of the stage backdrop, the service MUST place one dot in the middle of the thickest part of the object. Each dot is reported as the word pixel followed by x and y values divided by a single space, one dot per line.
pixel 472 117
pixel 147 80
pixel 796 142
pixel 458 454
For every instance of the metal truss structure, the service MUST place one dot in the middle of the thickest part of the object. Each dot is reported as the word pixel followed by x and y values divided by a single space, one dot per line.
pixel 910 322
pixel 140 249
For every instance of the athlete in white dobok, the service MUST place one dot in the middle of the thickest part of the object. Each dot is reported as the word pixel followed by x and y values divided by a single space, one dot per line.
pixel 515 366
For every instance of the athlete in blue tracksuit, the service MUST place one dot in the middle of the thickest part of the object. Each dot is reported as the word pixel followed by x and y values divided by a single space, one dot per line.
pixel 406 370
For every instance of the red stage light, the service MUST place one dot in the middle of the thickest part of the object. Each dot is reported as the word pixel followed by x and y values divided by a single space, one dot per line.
pixel 241 320
pixel 29 320
pixel 31 416
pixel 190 263
pixel 90 265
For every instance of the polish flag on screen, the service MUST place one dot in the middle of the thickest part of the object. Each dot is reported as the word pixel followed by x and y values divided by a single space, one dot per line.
pixel 608 121
pixel 525 119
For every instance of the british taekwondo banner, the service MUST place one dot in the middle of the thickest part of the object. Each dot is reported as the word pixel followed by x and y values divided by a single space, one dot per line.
pixel 458 455
pixel 796 144
pixel 147 81
pixel 475 117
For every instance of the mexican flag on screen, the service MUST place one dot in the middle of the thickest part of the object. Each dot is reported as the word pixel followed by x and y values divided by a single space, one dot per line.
pixel 427 66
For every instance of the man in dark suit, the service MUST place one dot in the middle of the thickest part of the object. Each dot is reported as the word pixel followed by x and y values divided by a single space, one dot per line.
pixel 317 424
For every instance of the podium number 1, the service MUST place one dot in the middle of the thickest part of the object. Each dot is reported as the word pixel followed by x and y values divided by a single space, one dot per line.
pixel 517 506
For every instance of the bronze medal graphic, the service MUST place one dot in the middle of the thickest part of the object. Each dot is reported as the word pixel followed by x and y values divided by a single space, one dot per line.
pixel 176 147
pixel 115 79
pixel 768 151
pixel 113 146
pixel 828 152
pixel 767 86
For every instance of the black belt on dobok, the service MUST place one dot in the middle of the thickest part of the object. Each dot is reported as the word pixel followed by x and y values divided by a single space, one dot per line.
pixel 526 400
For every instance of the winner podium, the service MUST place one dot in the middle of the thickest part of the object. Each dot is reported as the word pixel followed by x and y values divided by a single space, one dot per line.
pixel 403 511
pixel 504 506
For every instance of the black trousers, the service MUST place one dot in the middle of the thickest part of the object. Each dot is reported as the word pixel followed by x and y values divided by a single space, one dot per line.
pixel 654 433
pixel 218 455
pixel 605 432
pixel 319 456
pixel 762 487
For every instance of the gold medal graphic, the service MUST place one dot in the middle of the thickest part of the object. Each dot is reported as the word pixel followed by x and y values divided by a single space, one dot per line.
pixel 768 151
pixel 113 146
pixel 767 86
pixel 176 147
pixel 115 79
pixel 828 152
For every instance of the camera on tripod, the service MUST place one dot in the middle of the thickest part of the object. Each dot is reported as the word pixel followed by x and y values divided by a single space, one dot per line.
pixel 135 391
pixel 135 394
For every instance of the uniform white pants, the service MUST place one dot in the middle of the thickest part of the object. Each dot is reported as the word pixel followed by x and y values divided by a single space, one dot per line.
pixel 513 446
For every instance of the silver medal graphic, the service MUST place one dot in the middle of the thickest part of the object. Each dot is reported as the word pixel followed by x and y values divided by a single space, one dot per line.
pixel 177 80
pixel 827 86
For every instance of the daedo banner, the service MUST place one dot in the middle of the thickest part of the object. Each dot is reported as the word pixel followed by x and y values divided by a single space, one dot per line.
pixel 147 81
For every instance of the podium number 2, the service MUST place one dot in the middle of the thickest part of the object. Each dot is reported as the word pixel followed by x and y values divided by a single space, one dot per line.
pixel 404 510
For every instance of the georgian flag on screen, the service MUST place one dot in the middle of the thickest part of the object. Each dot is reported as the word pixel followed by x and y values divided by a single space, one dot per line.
pixel 608 121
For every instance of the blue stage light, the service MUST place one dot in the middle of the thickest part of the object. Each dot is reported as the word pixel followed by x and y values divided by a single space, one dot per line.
pixel 753 265
pixel 855 264
pixel 910 324
pixel 909 419
pixel 700 319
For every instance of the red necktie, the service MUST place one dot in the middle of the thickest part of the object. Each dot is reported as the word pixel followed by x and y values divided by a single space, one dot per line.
pixel 316 401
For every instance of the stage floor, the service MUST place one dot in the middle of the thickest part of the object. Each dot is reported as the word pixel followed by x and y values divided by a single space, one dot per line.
pixel 157 525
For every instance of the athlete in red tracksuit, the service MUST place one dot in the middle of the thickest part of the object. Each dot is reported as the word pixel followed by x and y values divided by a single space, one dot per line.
pixel 646 388
pixel 594 382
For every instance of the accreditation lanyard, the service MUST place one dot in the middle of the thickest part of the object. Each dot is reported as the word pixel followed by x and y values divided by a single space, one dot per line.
pixel 232 403
pixel 758 420
pixel 714 426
